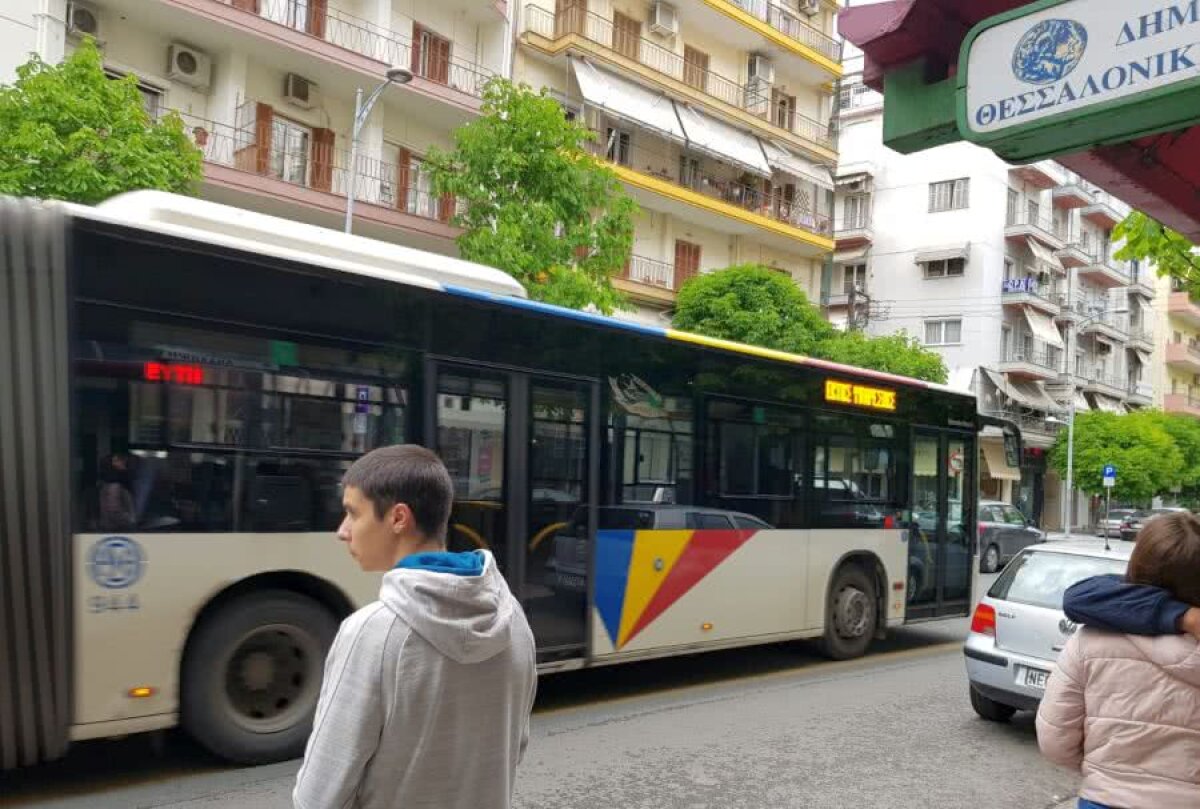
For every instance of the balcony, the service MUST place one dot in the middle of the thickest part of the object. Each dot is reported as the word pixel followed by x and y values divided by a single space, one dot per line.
pixel 1026 224
pixel 1105 271
pixel 309 182
pixel 1042 175
pixel 1182 404
pixel 575 29
pixel 1142 283
pixel 1031 360
pixel 1073 253
pixel 1182 306
pixel 1105 211
pixel 650 280
pixel 1072 194
pixel 785 28
pixel 1141 337
pixel 1070 308
pixel 1139 393
pixel 1021 292
pixel 853 231
pixel 1184 356
pixel 1104 324
pixel 1030 422
pixel 857 98
pixel 1100 381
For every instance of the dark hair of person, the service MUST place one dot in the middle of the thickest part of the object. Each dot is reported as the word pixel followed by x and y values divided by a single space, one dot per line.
pixel 409 474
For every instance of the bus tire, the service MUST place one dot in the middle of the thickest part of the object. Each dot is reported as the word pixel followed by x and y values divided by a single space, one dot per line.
pixel 252 675
pixel 851 614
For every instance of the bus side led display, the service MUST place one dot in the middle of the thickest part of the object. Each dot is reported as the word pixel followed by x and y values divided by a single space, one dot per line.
pixel 859 395
pixel 173 372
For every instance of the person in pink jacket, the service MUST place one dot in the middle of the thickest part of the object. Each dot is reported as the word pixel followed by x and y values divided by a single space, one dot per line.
pixel 1125 709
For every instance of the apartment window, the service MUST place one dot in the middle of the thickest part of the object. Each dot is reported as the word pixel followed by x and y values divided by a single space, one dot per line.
pixel 949 195
pixel 854 212
pixel 945 268
pixel 687 261
pixel 1033 212
pixel 943 332
pixel 695 67
pixel 151 96
pixel 1006 342
pixel 430 55
pixel 627 35
pixel 854 276
pixel 783 109
pixel 1014 205
pixel 290 143
pixel 689 171
pixel 618 146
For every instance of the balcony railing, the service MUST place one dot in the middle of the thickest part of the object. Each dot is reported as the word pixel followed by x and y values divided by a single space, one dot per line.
pixel 367 39
pixel 790 24
pixel 315 167
pixel 1022 287
pixel 1033 353
pixel 1029 422
pixel 1042 225
pixel 856 221
pixel 754 96
pixel 1101 376
pixel 650 272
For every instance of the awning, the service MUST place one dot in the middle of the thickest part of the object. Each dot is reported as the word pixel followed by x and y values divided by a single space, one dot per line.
pixel 786 161
pixel 723 141
pixel 997 461
pixel 627 100
pixel 1043 328
pixel 850 256
pixel 1143 357
pixel 1044 255
pixel 1081 402
pixel 998 381
pixel 943 253
pixel 1033 394
pixel 1109 405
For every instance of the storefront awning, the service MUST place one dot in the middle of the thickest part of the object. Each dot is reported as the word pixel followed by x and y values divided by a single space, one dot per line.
pixel 1081 402
pixel 786 161
pixel 997 461
pixel 998 381
pixel 1044 255
pixel 1043 328
pixel 943 253
pixel 627 100
pixel 723 141
pixel 851 256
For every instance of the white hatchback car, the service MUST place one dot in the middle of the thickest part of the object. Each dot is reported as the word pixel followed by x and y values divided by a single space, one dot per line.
pixel 1019 627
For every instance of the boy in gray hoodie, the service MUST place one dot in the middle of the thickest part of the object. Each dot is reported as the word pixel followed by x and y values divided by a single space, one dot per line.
pixel 428 691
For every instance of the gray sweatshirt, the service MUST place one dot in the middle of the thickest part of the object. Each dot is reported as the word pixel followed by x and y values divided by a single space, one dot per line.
pixel 426 698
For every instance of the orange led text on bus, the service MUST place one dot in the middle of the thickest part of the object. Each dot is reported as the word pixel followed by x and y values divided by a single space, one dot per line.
pixel 859 395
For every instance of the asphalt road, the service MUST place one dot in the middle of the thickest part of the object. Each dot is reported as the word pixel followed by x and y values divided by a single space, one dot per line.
pixel 776 726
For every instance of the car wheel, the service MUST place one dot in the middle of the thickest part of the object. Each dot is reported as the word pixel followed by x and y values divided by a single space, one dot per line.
pixel 252 675
pixel 989 709
pixel 990 562
pixel 850 615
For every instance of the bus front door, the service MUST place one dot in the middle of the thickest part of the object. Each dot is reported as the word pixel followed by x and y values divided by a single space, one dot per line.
pixel 523 452
pixel 941 531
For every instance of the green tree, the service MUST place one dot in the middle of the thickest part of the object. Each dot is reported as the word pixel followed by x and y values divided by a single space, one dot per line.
pixel 893 353
pixel 69 132
pixel 534 202
pixel 1147 239
pixel 1185 432
pixel 751 304
pixel 1146 456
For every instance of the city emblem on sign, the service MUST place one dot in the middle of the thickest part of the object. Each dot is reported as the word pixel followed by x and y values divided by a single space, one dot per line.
pixel 1049 51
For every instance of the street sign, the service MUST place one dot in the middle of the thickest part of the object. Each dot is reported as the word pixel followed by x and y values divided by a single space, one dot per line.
pixel 1110 482
pixel 1058 76
pixel 1109 475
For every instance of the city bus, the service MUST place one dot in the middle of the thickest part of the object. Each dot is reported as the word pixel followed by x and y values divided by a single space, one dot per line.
pixel 186 383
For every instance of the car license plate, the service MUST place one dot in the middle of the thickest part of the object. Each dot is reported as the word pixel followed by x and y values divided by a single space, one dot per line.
pixel 1034 678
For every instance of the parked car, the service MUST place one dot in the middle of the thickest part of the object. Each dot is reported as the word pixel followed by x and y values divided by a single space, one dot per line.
pixel 1003 533
pixel 1019 628
pixel 1110 524
pixel 1134 522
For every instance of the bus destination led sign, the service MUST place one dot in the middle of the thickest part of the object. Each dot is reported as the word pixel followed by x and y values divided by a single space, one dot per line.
pixel 849 393
pixel 178 373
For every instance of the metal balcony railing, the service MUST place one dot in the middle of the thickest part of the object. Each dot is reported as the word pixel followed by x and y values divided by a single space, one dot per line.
pixel 1021 287
pixel 650 272
pixel 1033 353
pixel 1024 218
pixel 792 25
pixel 1029 421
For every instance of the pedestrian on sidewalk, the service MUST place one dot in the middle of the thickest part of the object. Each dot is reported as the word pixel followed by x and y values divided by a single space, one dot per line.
pixel 427 691
pixel 1123 707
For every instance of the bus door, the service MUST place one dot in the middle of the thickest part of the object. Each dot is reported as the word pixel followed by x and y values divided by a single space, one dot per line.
pixel 942 529
pixel 523 452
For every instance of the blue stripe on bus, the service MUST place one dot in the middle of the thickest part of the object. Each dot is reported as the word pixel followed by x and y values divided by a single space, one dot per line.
pixel 557 311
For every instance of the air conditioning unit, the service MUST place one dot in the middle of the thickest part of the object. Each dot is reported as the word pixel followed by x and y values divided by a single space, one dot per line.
pixel 664 21
pixel 810 7
pixel 189 66
pixel 299 91
pixel 761 68
pixel 83 19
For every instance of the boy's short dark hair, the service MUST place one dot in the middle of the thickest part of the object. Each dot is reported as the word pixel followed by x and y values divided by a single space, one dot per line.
pixel 409 474
pixel 1167 555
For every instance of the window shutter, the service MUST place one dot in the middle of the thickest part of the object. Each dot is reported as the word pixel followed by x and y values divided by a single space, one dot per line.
pixel 417 37
pixel 246 5
pixel 687 261
pixel 445 208
pixel 256 155
pixel 322 159
pixel 403 178
pixel 317 12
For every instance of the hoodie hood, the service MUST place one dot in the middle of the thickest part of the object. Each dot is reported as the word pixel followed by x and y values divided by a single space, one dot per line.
pixel 459 603
pixel 1177 655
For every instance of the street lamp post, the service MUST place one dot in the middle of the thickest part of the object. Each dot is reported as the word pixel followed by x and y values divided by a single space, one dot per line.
pixel 396 75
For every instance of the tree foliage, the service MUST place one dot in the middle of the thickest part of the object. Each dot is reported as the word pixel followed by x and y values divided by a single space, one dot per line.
pixel 70 132
pixel 534 202
pixel 752 304
pixel 1146 239
pixel 1141 445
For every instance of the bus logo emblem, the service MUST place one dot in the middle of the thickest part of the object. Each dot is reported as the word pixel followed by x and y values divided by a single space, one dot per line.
pixel 116 562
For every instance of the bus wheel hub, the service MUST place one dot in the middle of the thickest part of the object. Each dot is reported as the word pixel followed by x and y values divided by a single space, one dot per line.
pixel 851 611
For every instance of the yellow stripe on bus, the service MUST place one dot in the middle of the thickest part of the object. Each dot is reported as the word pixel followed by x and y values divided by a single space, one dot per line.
pixel 729 345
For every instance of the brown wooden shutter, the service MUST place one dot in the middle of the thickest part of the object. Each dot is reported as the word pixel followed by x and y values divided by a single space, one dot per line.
pixel 687 261
pixel 445 208
pixel 256 156
pixel 322 159
pixel 440 69
pixel 403 178
pixel 416 50
pixel 246 5
pixel 318 10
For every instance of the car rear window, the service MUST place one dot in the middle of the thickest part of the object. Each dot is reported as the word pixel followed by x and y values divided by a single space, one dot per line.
pixel 624 519
pixel 1040 578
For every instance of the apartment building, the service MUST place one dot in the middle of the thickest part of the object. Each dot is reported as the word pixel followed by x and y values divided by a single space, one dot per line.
pixel 1177 360
pixel 266 89
pixel 1008 272
pixel 716 116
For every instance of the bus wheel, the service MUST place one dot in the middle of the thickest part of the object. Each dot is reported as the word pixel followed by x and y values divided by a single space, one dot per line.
pixel 850 617
pixel 252 676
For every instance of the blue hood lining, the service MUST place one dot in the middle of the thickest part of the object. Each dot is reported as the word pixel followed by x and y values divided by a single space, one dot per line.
pixel 466 563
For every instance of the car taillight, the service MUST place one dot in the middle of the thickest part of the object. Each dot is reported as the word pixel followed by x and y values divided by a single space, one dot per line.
pixel 984 621
pixel 982 528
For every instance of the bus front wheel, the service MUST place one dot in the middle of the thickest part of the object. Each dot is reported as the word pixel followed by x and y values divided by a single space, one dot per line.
pixel 252 676
pixel 850 615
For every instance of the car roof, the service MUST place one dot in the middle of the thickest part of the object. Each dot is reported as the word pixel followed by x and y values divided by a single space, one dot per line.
pixel 994 503
pixel 1117 549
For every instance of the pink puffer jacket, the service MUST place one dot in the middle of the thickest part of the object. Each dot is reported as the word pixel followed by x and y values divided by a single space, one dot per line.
pixel 1126 710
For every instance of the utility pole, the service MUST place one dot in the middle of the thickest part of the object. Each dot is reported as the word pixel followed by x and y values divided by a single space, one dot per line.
pixel 858 300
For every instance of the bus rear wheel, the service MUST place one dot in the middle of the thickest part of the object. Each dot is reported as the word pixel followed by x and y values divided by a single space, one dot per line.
pixel 850 615
pixel 252 676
